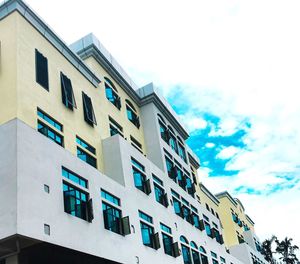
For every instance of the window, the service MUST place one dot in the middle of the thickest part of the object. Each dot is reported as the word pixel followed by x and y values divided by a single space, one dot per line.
pixel 68 98
pixel 195 253
pixel 208 229
pixel 86 157
pixel 115 128
pixel 222 260
pixel 164 132
pixel 41 70
pixel 112 214
pixel 136 144
pixel 111 198
pixel 171 169
pixel 85 145
pixel 145 217
pixel 149 238
pixel 112 218
pixel 49 120
pixel 77 202
pixel 139 177
pixel 191 189
pixel 181 178
pixel 88 110
pixel 172 142
pixel 47 131
pixel 131 114
pixel 181 151
pixel 160 195
pixel 186 255
pixel 112 93
pixel 177 207
pixel 167 239
pixel 74 177
pixel 213 254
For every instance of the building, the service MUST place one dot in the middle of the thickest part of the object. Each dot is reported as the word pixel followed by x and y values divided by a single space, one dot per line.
pixel 93 169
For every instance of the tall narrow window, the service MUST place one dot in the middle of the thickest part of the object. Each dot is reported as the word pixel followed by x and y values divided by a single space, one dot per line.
pixel 131 114
pixel 160 194
pixel 111 93
pixel 136 144
pixel 149 237
pixel 140 180
pixel 41 70
pixel 49 131
pixel 77 202
pixel 86 152
pixel 167 239
pixel 115 128
pixel 112 214
pixel 88 111
pixel 68 98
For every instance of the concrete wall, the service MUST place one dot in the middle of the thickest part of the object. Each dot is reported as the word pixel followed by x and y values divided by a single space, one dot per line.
pixel 8 179
pixel 40 162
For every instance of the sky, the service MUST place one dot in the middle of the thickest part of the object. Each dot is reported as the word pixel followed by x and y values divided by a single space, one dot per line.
pixel 231 70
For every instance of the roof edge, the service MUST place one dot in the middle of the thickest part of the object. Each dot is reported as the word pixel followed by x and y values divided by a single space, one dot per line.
pixel 209 194
pixel 8 7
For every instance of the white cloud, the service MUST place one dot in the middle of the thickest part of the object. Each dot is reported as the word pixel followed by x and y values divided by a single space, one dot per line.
pixel 210 145
pixel 227 153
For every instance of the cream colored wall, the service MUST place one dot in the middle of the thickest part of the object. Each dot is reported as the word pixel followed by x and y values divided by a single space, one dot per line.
pixel 206 200
pixel 230 227
pixel 32 95
pixel 8 70
pixel 120 116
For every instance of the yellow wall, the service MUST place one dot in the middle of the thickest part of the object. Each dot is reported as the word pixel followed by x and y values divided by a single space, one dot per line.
pixel 229 226
pixel 22 39
pixel 8 70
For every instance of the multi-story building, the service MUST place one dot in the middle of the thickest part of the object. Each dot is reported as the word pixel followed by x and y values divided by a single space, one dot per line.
pixel 93 169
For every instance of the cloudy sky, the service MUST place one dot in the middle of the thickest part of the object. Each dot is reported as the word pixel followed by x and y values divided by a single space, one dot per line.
pixel 231 71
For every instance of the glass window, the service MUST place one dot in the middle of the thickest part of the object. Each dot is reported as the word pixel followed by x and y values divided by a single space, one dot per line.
pixel 157 180
pixel 68 98
pixel 112 218
pixel 74 177
pixel 168 244
pixel 147 234
pixel 164 133
pixel 186 254
pixel 136 144
pixel 213 254
pixel 196 257
pixel 165 228
pixel 88 110
pixel 145 217
pixel 131 114
pixel 49 120
pixel 204 259
pixel 137 164
pixel 41 70
pixel 177 207
pixel 222 260
pixel 75 201
pixel 215 261
pixel 159 193
pixel 86 157
pixel 173 143
pixel 112 93
pixel 109 197
pixel 139 179
pixel 85 145
pixel 181 152
pixel 50 133
pixel 207 229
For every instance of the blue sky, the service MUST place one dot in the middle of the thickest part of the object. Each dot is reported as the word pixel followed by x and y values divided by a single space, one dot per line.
pixel 231 71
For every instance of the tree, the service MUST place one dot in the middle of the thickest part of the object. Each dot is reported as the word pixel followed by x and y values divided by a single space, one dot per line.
pixel 286 250
pixel 266 249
